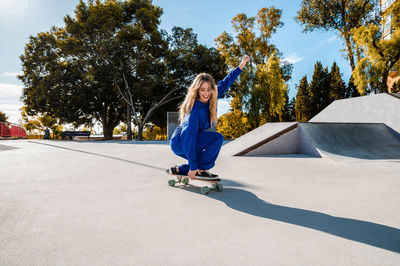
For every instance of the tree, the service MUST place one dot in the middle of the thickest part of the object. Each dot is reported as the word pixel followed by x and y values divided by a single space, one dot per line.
pixel 319 88
pixel 338 89
pixel 271 89
pixel 303 103
pixel 289 113
pixel 352 89
pixel 122 38
pixel 40 122
pixel 185 59
pixel 111 61
pixel 139 57
pixel 261 89
pixel 3 117
pixel 59 84
pixel 396 87
pixel 341 16
pixel 323 89
pixel 235 123
pixel 381 55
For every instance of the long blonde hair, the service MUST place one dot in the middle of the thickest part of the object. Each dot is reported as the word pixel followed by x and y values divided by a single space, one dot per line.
pixel 193 94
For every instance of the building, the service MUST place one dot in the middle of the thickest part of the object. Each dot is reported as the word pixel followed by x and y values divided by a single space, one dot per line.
pixel 387 30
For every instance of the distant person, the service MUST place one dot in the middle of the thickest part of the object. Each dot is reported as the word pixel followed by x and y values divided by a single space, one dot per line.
pixel 46 133
pixel 197 113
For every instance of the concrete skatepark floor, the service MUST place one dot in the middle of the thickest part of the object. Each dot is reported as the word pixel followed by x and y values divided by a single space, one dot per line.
pixel 108 203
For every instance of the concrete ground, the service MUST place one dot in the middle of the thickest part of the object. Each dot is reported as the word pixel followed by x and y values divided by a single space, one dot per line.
pixel 108 203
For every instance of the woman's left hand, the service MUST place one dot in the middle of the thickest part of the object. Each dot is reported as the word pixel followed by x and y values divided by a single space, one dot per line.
pixel 245 59
pixel 192 174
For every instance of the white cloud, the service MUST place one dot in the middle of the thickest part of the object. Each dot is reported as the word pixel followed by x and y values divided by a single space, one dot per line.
pixel 10 101
pixel 13 9
pixel 10 90
pixel 12 111
pixel 184 9
pixel 10 107
pixel 333 38
pixel 11 74
pixel 293 58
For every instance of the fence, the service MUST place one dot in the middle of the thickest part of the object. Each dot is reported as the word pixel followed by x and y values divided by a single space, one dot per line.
pixel 10 130
pixel 172 123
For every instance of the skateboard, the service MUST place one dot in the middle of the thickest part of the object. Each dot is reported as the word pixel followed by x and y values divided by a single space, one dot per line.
pixel 184 179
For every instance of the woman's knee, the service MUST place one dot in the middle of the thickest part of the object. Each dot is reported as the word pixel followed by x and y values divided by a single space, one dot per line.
pixel 219 138
pixel 176 146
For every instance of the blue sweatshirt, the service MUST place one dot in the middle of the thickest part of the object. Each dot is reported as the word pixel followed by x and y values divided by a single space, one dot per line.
pixel 199 120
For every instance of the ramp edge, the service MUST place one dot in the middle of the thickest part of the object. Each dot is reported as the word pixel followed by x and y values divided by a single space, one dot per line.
pixel 277 135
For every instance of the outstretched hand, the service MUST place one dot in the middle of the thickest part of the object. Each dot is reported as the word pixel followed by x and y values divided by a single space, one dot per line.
pixel 245 59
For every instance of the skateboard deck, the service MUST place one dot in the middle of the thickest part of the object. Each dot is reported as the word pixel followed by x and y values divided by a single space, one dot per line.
pixel 184 179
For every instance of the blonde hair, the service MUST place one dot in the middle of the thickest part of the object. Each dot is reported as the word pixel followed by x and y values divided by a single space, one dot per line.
pixel 193 94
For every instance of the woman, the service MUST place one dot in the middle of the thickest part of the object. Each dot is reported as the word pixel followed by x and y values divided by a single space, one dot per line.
pixel 191 140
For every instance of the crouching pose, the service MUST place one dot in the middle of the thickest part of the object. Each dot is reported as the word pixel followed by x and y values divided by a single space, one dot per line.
pixel 191 140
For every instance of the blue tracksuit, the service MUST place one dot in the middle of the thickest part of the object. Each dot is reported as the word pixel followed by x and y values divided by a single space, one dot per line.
pixel 192 141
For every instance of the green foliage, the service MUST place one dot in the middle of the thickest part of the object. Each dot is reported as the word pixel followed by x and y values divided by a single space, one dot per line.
pixel 303 103
pixel 124 49
pixel 270 91
pixel 289 113
pixel 338 89
pixel 40 123
pixel 185 59
pixel 341 16
pixel 3 117
pixel 381 55
pixel 117 131
pixel 352 89
pixel 260 92
pixel 319 89
pixel 396 87
pixel 152 132
pixel 323 89
pixel 63 76
pixel 108 55
pixel 233 124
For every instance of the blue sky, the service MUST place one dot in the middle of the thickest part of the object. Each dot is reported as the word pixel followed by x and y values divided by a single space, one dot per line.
pixel 21 18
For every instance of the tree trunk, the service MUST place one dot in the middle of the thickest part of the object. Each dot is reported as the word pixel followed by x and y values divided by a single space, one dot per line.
pixel 140 132
pixel 107 131
pixel 350 53
pixel 384 85
pixel 128 122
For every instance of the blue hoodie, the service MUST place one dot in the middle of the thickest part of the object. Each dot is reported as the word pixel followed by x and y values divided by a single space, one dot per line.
pixel 199 120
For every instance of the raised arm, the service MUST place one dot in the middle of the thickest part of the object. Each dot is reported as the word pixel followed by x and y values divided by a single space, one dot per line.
pixel 224 84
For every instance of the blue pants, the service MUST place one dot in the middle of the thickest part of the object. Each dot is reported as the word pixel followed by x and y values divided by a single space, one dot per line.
pixel 208 145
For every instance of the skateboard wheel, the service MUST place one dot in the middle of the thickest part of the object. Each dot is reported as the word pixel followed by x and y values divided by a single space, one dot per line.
pixel 185 181
pixel 205 190
pixel 171 182
pixel 219 187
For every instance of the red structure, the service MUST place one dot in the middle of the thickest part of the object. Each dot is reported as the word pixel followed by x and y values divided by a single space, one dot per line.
pixel 11 130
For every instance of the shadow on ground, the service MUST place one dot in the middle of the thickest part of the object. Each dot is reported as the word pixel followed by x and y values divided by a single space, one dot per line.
pixel 369 233
pixel 102 155
pixel 6 147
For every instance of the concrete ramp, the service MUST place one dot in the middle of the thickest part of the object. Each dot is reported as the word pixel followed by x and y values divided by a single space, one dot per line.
pixel 257 138
pixel 339 141
pixel 349 141
pixel 374 108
